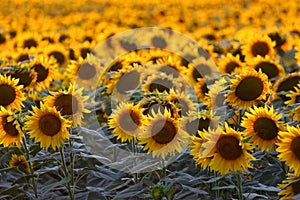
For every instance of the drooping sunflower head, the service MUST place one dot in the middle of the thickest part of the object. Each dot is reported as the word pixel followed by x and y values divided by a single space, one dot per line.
pixel 20 162
pixel 289 191
pixel 10 129
pixel 289 148
pixel 47 126
pixel 285 84
pixel 162 135
pixel 11 94
pixel 228 151
pixel 258 46
pixel 126 121
pixel 248 88
pixel 262 126
pixel 69 102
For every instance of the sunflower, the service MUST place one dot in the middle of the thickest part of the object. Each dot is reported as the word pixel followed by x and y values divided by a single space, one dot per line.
pixel 216 96
pixel 59 53
pixel 289 148
pixel 183 101
pixel 262 125
pixel 230 64
pixel 86 72
pixel 47 126
pixel 258 46
pixel 289 191
pixel 170 65
pixel 69 103
pixel 162 135
pixel 126 121
pixel 295 113
pixel 28 40
pixel 197 150
pixel 10 130
pixel 285 84
pixel 46 70
pixel 293 96
pixel 228 151
pixel 201 89
pixel 247 88
pixel 11 95
pixel 20 162
pixel 27 77
pixel 161 82
pixel 200 68
pixel 157 102
pixel 268 66
pixel 124 81
pixel 198 121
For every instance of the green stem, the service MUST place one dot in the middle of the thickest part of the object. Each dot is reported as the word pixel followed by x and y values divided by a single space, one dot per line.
pixel 31 169
pixel 72 159
pixel 65 171
pixel 239 186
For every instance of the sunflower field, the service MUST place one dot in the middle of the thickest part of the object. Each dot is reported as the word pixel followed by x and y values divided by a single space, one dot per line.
pixel 104 99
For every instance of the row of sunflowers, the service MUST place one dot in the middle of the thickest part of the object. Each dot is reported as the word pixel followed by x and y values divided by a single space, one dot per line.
pixel 206 105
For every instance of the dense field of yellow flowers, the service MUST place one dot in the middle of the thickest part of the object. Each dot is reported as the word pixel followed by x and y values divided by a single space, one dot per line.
pixel 105 99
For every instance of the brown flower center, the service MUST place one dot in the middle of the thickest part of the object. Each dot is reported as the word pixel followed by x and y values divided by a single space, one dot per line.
pixel 67 104
pixel 249 89
pixel 228 147
pixel 23 57
pixel 115 66
pixel 288 85
pixel 7 95
pixel 9 127
pixel 84 52
pixel 200 71
pixel 86 71
pixel 25 77
pixel 159 42
pixel 193 126
pixel 42 72
pixel 128 81
pixel 268 68
pixel 60 58
pixel 163 131
pixel 129 120
pixel 230 67
pixel 49 124
pixel 296 188
pixel 260 48
pixel 161 85
pixel 295 147
pixel 169 71
pixel 30 43
pixel 265 128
